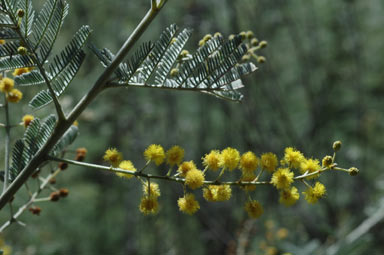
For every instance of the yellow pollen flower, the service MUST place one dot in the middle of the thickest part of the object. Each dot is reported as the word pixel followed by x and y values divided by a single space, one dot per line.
pixel 269 161
pixel 212 159
pixel 254 209
pixel 6 84
pixel 149 205
pixel 126 165
pixel 215 193
pixel 310 166
pixel 188 204
pixel 155 153
pixel 293 157
pixel 2 42
pixel 20 71
pixel 230 158
pixel 14 96
pixel 185 167
pixel 223 192
pixel 289 197
pixel 194 179
pixel 313 194
pixel 282 178
pixel 27 119
pixel 175 155
pixel 154 189
pixel 249 162
pixel 113 156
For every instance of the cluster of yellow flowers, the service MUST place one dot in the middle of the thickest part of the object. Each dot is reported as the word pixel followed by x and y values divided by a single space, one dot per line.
pixel 7 86
pixel 282 174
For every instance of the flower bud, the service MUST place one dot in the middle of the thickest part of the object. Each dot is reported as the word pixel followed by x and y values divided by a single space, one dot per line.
pixel 263 44
pixel 20 13
pixel 55 196
pixel 63 166
pixel 327 161
pixel 336 145
pixel 353 171
pixel 22 50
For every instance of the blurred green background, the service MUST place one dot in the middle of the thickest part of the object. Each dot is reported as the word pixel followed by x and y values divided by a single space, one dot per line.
pixel 323 81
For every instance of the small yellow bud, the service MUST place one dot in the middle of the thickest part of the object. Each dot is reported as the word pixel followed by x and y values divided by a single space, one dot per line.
pixel 327 161
pixel 250 34
pixel 246 58
pixel 261 59
pixel 217 34
pixel 254 42
pixel 231 37
pixel 184 53
pixel 174 72
pixel 336 145
pixel 20 13
pixel 201 43
pixel 243 35
pixel 207 37
pixel 353 171
pixel 263 44
pixel 22 50
pixel 173 40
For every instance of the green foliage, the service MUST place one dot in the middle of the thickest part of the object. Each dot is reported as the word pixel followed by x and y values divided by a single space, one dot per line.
pixel 213 69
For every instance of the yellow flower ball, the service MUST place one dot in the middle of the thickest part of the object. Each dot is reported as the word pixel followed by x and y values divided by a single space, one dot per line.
pixel 289 197
pixel 310 166
pixel 20 71
pixel 126 165
pixel 282 178
pixel 269 161
pixel 175 155
pixel 188 204
pixel 14 96
pixel 313 194
pixel 212 160
pixel 152 190
pixel 27 119
pixel 6 85
pixel 113 156
pixel 248 162
pixel 293 157
pixel 149 205
pixel 155 153
pixel 230 158
pixel 194 179
pixel 185 167
pixel 254 209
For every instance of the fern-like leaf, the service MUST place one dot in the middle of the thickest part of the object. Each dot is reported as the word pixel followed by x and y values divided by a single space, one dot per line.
pixel 158 52
pixel 18 159
pixel 214 69
pixel 67 139
pixel 29 16
pixel 60 84
pixel 9 49
pixel 8 34
pixel 171 54
pixel 59 63
pixel 13 62
pixel 45 130
pixel 30 136
pixel 48 25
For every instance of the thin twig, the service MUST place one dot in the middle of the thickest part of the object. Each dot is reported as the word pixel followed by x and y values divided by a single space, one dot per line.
pixel 31 200
pixel 7 144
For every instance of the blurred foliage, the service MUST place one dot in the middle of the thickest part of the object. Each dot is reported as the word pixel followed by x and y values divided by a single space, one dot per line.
pixel 322 81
